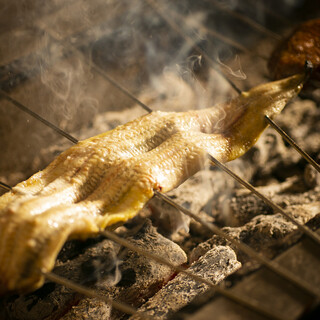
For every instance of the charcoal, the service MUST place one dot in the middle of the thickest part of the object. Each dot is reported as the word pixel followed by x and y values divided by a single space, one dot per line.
pixel 311 175
pixel 243 205
pixel 190 196
pixel 89 309
pixel 269 290
pixel 100 267
pixel 140 276
pixel 52 299
pixel 265 233
pixel 215 265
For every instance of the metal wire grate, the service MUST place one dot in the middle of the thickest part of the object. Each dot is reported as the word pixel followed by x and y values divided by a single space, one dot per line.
pixel 247 302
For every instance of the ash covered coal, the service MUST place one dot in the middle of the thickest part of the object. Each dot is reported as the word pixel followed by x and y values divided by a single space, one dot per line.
pixel 109 269
pixel 214 265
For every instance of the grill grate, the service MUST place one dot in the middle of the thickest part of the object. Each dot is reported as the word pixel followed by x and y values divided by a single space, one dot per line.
pixel 114 82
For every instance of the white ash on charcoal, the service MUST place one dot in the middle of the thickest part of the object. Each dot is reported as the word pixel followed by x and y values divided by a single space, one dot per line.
pixel 301 119
pixel 285 177
pixel 311 176
pixel 268 289
pixel 267 234
pixel 242 206
pixel 108 268
pixel 142 275
pixel 214 266
pixel 52 300
pixel 198 194
pixel 194 194
pixel 273 158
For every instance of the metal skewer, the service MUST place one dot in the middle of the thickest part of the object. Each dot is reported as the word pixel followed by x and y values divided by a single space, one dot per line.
pixel 247 185
pixel 277 269
pixel 247 302
pixel 164 15
pixel 218 35
pixel 104 75
pixel 231 42
pixel 121 306
pixel 293 144
pixel 38 117
pixel 4 186
pixel 255 25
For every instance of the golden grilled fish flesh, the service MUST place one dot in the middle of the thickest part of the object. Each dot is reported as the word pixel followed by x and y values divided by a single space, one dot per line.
pixel 110 177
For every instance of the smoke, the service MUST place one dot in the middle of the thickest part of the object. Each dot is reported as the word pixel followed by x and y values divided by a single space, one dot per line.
pixel 103 269
pixel 51 48
pixel 236 71
pixel 68 82
pixel 58 80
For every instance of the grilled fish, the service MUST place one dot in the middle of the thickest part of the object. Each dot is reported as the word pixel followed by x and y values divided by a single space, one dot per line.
pixel 110 177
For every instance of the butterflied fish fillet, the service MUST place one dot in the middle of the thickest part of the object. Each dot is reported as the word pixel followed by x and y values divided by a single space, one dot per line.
pixel 109 178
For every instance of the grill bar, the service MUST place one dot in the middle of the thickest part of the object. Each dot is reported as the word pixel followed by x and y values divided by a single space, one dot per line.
pixel 38 117
pixel 247 302
pixel 117 85
pixel 243 247
pixel 247 185
pixel 121 306
pixel 230 42
pixel 189 40
pixel 214 229
pixel 293 143
pixel 4 186
pixel 253 24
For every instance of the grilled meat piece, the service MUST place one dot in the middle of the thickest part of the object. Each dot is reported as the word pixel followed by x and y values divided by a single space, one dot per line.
pixel 290 55
pixel 109 178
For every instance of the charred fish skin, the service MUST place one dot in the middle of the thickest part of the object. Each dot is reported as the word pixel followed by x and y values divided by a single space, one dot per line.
pixel 110 177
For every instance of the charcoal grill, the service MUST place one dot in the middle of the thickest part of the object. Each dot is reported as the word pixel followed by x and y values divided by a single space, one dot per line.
pixel 72 61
